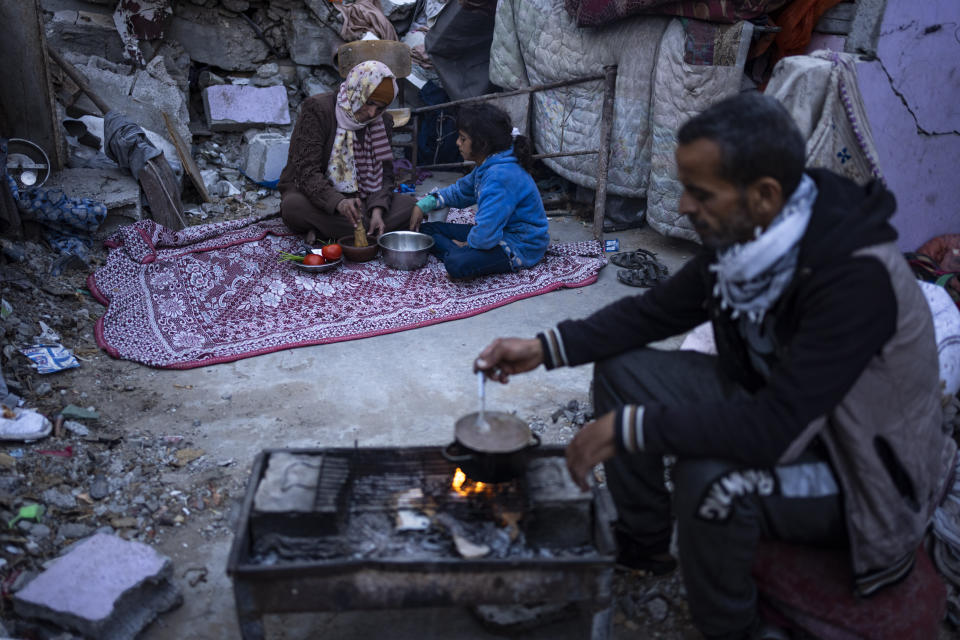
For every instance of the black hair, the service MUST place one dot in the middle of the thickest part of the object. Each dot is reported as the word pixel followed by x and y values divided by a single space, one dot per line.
pixel 757 137
pixel 489 128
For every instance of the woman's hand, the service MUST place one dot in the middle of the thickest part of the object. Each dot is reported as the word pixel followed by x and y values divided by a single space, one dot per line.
pixel 593 444
pixel 351 209
pixel 416 217
pixel 376 227
pixel 459 243
pixel 506 356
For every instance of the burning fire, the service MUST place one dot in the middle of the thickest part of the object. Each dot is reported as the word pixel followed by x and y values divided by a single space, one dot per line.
pixel 465 487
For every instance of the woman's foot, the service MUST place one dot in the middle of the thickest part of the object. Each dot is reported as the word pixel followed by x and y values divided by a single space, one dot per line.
pixel 311 237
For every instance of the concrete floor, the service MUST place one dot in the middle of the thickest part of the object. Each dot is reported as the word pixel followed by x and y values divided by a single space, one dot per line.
pixel 400 389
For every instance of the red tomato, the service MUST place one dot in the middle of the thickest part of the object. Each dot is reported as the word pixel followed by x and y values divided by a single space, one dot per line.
pixel 313 259
pixel 332 252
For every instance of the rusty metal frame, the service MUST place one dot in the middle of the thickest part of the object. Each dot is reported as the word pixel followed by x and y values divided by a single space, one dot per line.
pixel 333 585
pixel 609 78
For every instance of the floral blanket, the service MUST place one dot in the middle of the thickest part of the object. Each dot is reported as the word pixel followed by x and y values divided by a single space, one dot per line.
pixel 217 293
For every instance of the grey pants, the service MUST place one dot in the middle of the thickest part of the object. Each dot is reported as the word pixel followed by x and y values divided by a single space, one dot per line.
pixel 721 508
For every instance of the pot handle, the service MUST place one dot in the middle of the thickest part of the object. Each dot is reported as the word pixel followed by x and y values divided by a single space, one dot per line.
pixel 452 458
pixel 536 441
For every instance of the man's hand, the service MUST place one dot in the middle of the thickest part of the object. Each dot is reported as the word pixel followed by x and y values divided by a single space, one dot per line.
pixel 459 243
pixel 376 222
pixel 591 446
pixel 416 217
pixel 351 209
pixel 506 356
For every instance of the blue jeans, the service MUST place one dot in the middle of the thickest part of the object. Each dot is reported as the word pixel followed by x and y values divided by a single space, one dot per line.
pixel 464 262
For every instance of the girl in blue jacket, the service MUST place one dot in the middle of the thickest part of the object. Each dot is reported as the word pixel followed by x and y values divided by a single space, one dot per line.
pixel 511 225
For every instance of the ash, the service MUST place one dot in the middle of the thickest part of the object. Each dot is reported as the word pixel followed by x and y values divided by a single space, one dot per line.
pixel 476 527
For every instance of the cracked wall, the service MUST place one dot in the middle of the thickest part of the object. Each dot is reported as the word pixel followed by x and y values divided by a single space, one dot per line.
pixel 912 96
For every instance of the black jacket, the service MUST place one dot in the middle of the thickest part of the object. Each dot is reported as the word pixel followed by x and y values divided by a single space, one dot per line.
pixel 835 316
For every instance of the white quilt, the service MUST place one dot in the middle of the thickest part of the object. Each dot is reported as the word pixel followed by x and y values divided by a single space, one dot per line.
pixel 536 42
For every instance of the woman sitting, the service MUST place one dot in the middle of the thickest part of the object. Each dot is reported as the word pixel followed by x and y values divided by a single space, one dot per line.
pixel 339 171
pixel 511 225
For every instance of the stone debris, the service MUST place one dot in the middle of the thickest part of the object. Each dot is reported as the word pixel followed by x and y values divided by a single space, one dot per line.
pixel 237 107
pixel 105 587
pixel 266 155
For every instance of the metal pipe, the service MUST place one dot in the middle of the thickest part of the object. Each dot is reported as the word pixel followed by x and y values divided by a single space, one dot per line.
pixel 606 129
pixel 559 154
pixel 506 94
pixel 539 156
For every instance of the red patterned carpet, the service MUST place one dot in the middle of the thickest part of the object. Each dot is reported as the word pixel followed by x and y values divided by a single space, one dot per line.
pixel 217 293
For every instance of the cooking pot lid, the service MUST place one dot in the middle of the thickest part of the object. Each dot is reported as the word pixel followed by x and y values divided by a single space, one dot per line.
pixel 506 432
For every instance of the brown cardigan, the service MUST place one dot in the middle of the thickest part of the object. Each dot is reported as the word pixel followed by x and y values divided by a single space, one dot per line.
pixel 310 147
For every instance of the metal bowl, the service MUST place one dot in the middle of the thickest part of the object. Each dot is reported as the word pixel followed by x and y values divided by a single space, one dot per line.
pixel 406 250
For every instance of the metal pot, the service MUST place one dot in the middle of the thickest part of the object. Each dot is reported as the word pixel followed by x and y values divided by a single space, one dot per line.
pixel 405 250
pixel 495 453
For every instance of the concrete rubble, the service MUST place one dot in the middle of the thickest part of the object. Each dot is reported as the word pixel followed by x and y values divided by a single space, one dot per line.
pixel 237 107
pixel 104 587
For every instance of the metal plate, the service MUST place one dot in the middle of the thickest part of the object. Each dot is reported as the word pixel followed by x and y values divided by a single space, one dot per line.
pixel 317 268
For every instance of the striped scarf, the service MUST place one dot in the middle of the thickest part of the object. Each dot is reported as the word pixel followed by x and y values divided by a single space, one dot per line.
pixel 356 166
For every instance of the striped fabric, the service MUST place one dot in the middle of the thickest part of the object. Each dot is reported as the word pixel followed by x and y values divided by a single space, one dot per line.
pixel 369 156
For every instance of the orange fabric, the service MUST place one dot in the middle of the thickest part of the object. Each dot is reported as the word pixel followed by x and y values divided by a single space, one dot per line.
pixel 383 93
pixel 796 22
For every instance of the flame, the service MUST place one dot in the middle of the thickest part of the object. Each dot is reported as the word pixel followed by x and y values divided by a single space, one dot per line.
pixel 460 479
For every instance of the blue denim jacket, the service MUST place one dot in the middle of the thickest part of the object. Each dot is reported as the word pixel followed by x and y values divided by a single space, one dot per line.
pixel 510 211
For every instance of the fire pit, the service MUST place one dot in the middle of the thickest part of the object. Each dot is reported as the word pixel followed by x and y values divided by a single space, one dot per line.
pixel 343 529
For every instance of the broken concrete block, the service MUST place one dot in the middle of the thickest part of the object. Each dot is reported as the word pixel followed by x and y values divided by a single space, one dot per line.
pixel 397 9
pixel 115 188
pixel 143 96
pixel 265 156
pixel 235 108
pixel 313 85
pixel 289 484
pixel 89 33
pixel 311 43
pixel 104 587
pixel 299 494
pixel 215 39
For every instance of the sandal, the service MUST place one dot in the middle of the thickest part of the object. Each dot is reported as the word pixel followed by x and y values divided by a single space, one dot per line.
pixel 646 277
pixel 633 259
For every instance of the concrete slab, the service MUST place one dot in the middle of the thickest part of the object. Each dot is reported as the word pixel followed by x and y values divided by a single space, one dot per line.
pixel 289 483
pixel 231 107
pixel 116 188
pixel 105 587
pixel 311 43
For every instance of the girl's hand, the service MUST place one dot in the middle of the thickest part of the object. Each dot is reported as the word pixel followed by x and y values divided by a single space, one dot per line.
pixel 416 217
pixel 376 222
pixel 459 243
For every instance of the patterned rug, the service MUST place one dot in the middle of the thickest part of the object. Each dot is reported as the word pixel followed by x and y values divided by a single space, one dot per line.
pixel 217 293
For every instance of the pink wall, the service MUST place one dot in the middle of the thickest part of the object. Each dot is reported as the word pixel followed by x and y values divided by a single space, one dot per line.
pixel 912 97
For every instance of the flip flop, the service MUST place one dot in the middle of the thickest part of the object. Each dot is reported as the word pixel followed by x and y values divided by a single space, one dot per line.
pixel 646 277
pixel 633 259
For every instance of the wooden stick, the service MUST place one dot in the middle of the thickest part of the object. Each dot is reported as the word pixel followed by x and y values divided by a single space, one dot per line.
pixel 78 79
